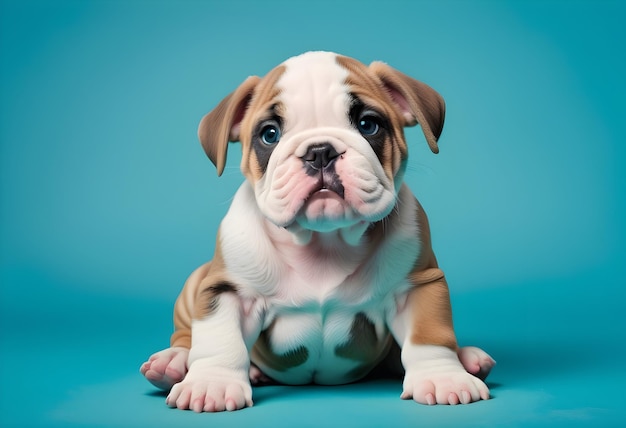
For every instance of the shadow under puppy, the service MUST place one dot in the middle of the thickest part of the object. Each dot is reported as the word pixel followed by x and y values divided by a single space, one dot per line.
pixel 323 262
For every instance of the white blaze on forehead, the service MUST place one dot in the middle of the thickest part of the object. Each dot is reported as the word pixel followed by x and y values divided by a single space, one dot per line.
pixel 313 87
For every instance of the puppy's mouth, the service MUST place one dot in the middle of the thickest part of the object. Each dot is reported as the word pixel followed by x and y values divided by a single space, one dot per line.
pixel 323 196
pixel 325 208
pixel 328 182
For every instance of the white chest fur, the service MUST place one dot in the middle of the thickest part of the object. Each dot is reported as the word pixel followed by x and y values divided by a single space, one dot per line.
pixel 313 302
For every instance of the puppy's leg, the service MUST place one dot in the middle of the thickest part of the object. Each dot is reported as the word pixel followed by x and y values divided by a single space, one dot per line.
pixel 218 362
pixel 433 372
pixel 166 368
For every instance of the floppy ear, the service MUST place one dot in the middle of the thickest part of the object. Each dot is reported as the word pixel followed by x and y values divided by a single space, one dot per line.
pixel 223 123
pixel 418 102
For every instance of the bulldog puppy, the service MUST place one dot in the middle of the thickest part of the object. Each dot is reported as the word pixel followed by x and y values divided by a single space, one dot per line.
pixel 323 262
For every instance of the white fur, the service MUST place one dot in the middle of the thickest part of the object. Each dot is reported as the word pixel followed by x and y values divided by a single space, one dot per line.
pixel 434 375
pixel 314 291
pixel 318 101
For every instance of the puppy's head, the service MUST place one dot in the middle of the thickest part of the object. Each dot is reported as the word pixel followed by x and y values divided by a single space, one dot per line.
pixel 322 138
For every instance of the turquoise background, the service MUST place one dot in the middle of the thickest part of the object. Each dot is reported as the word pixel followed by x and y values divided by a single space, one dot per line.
pixel 107 201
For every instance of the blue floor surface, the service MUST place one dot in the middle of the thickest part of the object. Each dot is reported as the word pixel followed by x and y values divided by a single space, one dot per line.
pixel 555 368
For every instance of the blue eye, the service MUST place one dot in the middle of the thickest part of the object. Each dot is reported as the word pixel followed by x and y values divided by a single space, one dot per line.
pixel 270 135
pixel 368 125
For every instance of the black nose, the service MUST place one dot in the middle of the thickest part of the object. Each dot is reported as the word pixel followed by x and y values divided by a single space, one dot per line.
pixel 320 156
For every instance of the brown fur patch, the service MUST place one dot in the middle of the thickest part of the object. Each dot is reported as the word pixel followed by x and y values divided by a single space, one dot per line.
pixel 429 300
pixel 364 346
pixel 263 99
pixel 181 338
pixel 262 351
pixel 368 88
pixel 363 342
pixel 214 283
pixel 432 313
pixel 185 306
pixel 193 302
pixel 209 296
pixel 425 105
pixel 220 125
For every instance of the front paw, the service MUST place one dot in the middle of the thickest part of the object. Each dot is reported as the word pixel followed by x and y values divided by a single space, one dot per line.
pixel 212 393
pixel 434 375
pixel 445 387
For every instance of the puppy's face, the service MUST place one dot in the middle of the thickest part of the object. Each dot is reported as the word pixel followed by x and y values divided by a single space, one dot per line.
pixel 322 137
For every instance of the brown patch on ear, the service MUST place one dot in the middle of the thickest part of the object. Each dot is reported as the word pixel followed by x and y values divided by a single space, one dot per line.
pixel 418 102
pixel 222 124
